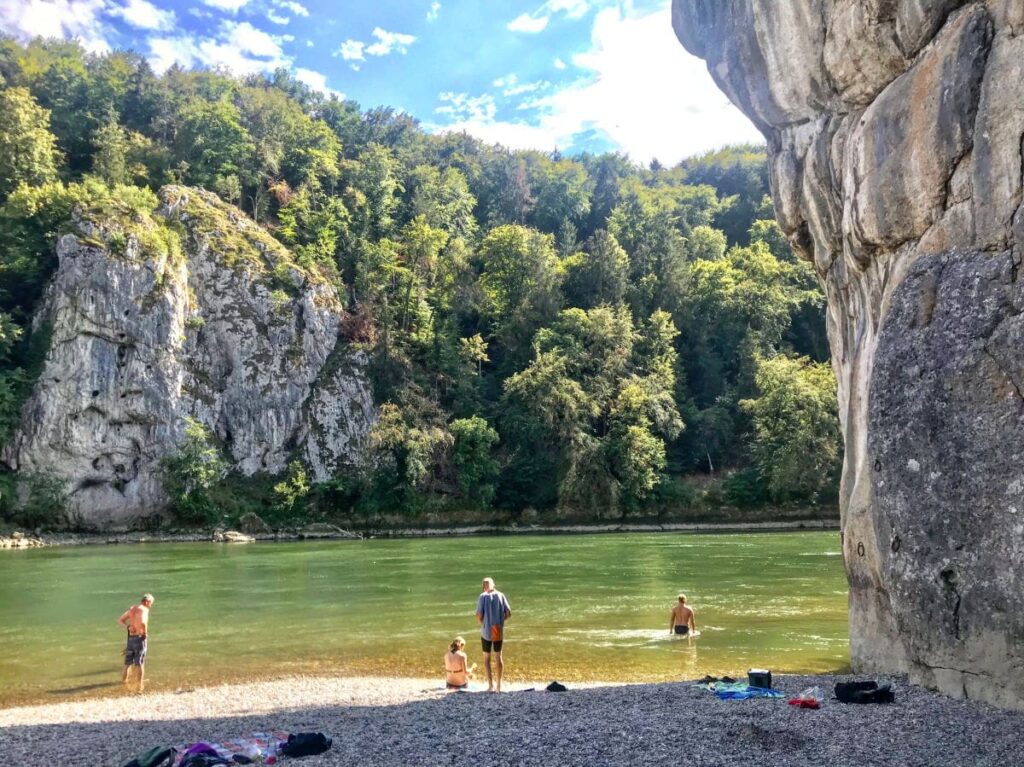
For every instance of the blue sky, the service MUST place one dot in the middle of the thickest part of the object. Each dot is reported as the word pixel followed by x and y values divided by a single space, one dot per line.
pixel 572 74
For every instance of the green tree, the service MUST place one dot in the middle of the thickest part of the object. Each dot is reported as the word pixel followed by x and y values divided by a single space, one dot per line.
pixel 796 428
pixel 293 490
pixel 475 469
pixel 706 244
pixel 110 157
pixel 192 472
pixel 520 285
pixel 562 194
pixel 214 147
pixel 443 198
pixel 474 351
pixel 597 275
pixel 28 153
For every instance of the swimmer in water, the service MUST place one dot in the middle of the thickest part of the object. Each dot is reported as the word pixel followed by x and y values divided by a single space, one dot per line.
pixel 681 621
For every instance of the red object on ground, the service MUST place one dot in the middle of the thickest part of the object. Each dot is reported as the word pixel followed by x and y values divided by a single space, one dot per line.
pixel 804 703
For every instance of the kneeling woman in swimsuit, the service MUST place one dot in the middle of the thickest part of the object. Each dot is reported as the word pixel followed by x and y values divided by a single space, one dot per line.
pixel 457 673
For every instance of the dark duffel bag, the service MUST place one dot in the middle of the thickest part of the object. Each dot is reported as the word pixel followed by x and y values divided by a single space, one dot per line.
pixel 864 692
pixel 306 744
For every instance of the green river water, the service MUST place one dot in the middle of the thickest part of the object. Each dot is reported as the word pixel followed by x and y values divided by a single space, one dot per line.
pixel 585 607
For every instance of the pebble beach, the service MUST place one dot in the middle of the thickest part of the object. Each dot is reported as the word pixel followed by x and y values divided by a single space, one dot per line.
pixel 377 721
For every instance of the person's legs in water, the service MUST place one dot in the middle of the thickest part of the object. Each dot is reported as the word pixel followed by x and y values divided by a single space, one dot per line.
pixel 486 646
pixel 500 667
pixel 135 656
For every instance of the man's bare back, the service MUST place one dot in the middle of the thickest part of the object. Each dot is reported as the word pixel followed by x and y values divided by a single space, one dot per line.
pixel 136 620
pixel 682 619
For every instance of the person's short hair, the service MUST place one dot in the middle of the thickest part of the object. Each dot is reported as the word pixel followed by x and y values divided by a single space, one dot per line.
pixel 147 598
pixel 682 598
pixel 490 581
pixel 457 644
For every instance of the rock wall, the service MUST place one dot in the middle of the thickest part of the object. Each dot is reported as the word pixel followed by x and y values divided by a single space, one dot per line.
pixel 227 330
pixel 895 131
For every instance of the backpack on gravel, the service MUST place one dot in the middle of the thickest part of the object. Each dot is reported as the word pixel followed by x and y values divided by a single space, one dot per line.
pixel 306 744
pixel 864 692
pixel 160 756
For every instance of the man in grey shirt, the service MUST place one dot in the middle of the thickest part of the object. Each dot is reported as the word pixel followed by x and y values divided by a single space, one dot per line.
pixel 492 610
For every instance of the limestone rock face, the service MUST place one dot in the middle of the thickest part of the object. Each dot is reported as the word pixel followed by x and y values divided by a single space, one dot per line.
pixel 896 145
pixel 228 331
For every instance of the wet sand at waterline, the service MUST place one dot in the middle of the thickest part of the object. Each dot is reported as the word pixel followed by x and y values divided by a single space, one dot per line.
pixel 379 721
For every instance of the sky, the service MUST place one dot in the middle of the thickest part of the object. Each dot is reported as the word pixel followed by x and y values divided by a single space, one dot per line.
pixel 572 75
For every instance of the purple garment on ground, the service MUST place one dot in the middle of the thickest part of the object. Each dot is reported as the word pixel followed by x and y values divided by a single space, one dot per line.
pixel 201 748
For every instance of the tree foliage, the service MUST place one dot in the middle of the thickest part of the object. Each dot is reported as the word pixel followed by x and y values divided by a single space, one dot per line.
pixel 539 327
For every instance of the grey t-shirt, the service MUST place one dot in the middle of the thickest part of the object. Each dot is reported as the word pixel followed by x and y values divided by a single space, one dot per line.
pixel 493 607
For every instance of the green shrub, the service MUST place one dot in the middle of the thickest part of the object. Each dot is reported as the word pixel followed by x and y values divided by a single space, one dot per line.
pixel 674 492
pixel 291 492
pixel 34 500
pixel 745 489
pixel 191 473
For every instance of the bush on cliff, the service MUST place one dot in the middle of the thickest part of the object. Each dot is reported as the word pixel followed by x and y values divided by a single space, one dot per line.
pixel 191 474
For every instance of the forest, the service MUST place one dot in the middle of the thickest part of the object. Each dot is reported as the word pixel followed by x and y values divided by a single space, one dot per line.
pixel 544 332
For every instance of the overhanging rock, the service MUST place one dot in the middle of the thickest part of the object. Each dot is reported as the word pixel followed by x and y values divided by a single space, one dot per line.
pixel 896 141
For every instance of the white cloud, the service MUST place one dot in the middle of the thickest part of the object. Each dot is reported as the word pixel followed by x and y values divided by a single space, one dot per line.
pixel 249 39
pixel 316 80
pixel 297 9
pixel 80 19
pixel 527 24
pixel 388 42
pixel 675 113
pixel 352 50
pixel 144 15
pixel 574 9
pixel 238 46
pixel 434 12
pixel 309 43
pixel 231 6
pixel 518 90
pixel 510 85
pixel 273 17
pixel 559 64
pixel 463 107
pixel 165 52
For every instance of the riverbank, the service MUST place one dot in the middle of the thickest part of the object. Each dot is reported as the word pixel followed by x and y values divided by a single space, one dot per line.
pixel 410 721
pixel 19 540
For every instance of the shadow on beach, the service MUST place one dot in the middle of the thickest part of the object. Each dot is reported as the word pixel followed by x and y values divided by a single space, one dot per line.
pixel 640 724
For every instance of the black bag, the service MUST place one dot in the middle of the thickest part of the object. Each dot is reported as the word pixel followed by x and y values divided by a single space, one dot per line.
pixel 204 760
pixel 161 756
pixel 556 687
pixel 306 744
pixel 864 692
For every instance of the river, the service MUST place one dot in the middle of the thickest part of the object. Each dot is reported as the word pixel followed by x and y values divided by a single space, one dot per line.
pixel 585 608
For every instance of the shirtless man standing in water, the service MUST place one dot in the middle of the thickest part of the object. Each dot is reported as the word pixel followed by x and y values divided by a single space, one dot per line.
pixel 136 620
pixel 681 621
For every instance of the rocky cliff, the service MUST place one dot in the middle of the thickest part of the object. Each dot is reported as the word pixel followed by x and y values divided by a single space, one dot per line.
pixel 896 138
pixel 195 312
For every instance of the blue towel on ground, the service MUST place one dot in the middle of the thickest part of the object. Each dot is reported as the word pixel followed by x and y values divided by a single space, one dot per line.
pixel 742 691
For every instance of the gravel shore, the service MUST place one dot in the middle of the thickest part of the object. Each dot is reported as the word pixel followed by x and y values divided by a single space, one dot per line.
pixel 411 722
